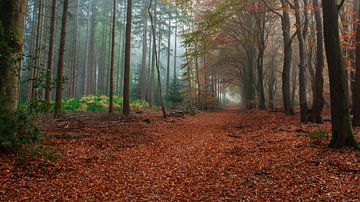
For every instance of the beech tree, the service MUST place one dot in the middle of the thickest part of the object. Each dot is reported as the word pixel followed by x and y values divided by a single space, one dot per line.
pixel 342 133
pixel 318 97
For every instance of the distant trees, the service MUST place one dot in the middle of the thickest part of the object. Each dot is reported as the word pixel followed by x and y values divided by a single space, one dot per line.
pixel 229 47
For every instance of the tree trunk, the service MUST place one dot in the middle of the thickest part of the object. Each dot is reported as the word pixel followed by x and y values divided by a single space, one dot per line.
pixel 60 79
pixel 144 51
pixel 168 57
pixel 356 94
pixel 111 93
pixel 342 134
pixel 318 97
pixel 91 67
pixel 11 30
pixel 126 101
pixel 261 23
pixel 51 54
pixel 36 64
pixel 302 67
pixel 288 108
pixel 156 60
pixel 175 51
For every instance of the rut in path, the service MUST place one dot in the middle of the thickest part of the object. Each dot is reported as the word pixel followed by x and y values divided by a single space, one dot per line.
pixel 222 155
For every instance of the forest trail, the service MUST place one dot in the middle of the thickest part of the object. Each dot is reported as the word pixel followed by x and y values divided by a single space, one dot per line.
pixel 222 155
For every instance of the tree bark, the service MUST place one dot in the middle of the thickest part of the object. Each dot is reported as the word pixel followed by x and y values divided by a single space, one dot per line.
pixel 356 94
pixel 156 59
pixel 168 56
pixel 51 54
pixel 288 108
pixel 126 101
pixel 111 93
pixel 342 133
pixel 261 25
pixel 318 97
pixel 11 30
pixel 144 51
pixel 302 67
pixel 60 77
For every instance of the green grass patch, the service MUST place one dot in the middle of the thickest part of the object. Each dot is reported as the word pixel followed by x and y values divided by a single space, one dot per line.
pixel 318 134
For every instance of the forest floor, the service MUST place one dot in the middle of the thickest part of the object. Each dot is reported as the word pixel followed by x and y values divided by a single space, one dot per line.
pixel 230 154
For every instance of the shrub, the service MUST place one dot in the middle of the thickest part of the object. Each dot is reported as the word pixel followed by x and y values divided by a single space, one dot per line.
pixel 18 132
pixel 94 104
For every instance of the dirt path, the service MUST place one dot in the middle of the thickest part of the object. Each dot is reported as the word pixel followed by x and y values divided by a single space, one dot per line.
pixel 225 155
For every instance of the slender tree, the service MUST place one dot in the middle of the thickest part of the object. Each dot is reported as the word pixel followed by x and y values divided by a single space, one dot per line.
pixel 168 56
pixel 318 97
pixel 156 59
pixel 111 93
pixel 51 53
pixel 126 102
pixel 144 51
pixel 302 65
pixel 60 77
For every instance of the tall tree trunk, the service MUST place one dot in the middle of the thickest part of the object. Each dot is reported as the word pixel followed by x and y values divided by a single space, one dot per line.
pixel 153 58
pixel 126 101
pixel 75 53
pixel 175 51
pixel 168 56
pixel 85 72
pixel 356 94
pixel 91 67
pixel 111 93
pixel 342 134
pixel 51 54
pixel 144 51
pixel 302 65
pixel 36 64
pixel 60 79
pixel 32 50
pixel 318 97
pixel 12 13
pixel 156 59
pixel 261 23
pixel 288 108
pixel 356 21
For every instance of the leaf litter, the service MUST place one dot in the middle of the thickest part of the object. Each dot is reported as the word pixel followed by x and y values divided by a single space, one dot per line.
pixel 224 155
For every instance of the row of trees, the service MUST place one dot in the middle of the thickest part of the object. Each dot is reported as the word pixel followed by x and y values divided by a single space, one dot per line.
pixel 228 44
pixel 95 53
pixel 249 40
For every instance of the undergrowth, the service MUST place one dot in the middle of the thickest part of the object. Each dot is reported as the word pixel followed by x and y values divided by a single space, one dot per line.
pixel 19 135
pixel 94 104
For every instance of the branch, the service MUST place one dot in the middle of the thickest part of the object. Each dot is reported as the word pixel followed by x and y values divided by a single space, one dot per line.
pixel 291 5
pixel 156 59
pixel 340 5
pixel 271 9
